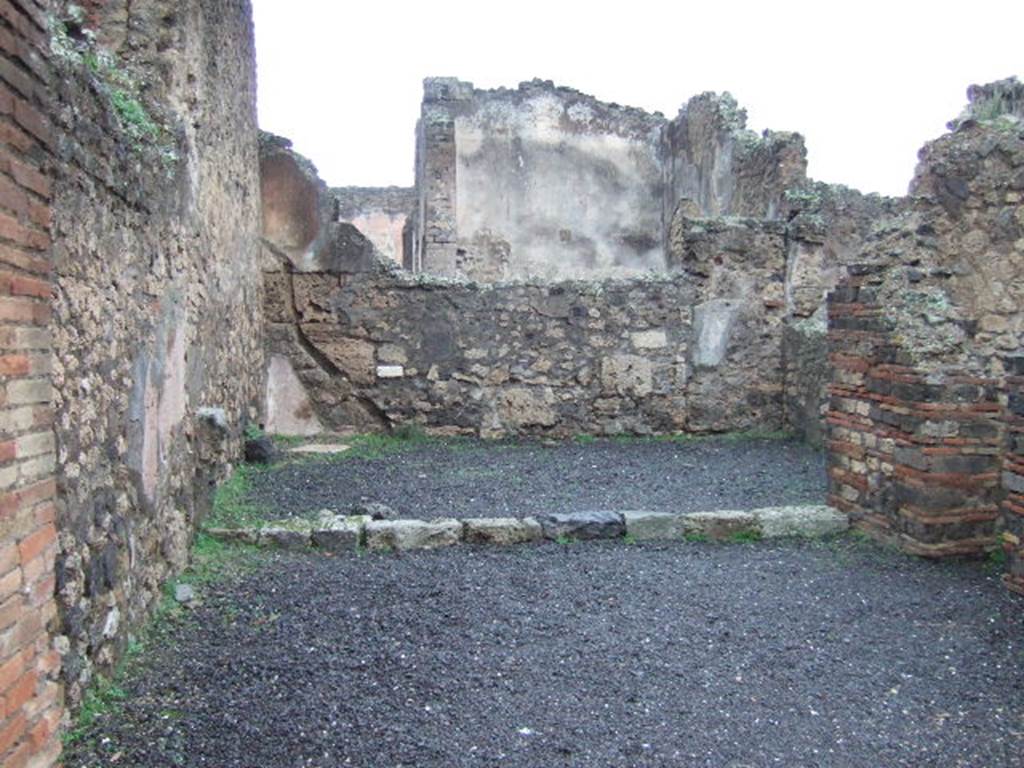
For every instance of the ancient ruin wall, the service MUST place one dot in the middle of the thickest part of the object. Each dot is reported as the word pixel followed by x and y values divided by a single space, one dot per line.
pixel 378 350
pixel 364 345
pixel 383 215
pixel 157 312
pixel 30 696
pixel 827 227
pixel 919 338
pixel 737 268
pixel 712 160
pixel 538 182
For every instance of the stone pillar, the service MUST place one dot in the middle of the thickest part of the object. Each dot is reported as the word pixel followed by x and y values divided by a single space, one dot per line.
pixel 30 694
pixel 438 233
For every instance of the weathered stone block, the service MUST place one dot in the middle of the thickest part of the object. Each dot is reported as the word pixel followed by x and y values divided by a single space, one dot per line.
pixel 527 406
pixel 412 534
pixel 654 525
pixel 627 375
pixel 286 534
pixel 653 339
pixel 808 521
pixel 721 524
pixel 502 530
pixel 338 533
pixel 712 330
pixel 583 525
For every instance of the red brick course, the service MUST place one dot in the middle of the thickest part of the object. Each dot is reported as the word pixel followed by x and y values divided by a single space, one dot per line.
pixel 30 696
pixel 913 456
pixel 1013 477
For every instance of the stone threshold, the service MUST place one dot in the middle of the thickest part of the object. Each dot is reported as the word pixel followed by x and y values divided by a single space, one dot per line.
pixel 332 532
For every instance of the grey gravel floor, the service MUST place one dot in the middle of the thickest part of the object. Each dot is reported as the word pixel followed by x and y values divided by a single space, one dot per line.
pixel 486 479
pixel 598 654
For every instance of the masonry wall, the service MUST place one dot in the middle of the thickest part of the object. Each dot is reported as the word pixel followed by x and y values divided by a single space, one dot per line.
pixel 737 268
pixel 537 182
pixel 921 410
pixel 723 169
pixel 378 350
pixel 157 309
pixel 30 696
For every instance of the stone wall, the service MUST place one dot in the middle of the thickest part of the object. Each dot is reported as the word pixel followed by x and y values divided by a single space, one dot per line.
pixel 737 268
pixel 157 310
pixel 383 215
pixel 537 182
pixel 919 336
pixel 365 345
pixel 30 696
pixel 381 349
pixel 712 160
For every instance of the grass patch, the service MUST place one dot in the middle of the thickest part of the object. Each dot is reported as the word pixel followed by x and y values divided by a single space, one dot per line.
pixel 745 537
pixel 233 505
pixel 696 538
pixel 374 446
pixel 103 698
pixel 996 560
pixel 629 539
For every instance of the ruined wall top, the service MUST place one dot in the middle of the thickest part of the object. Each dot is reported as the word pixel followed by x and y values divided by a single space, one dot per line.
pixel 1002 98
pixel 584 113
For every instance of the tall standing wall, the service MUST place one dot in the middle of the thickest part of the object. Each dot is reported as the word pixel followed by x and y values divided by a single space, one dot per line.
pixel 157 310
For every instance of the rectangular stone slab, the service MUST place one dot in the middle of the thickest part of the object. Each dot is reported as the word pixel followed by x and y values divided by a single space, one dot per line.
pixel 721 524
pixel 501 530
pixel 817 520
pixel 412 534
pixel 583 525
pixel 644 526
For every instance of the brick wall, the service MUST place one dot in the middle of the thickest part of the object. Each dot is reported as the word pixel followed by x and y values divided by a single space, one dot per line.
pixel 30 696
pixel 1013 476
pixel 914 453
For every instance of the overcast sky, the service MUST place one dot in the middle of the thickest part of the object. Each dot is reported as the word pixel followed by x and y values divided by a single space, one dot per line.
pixel 866 82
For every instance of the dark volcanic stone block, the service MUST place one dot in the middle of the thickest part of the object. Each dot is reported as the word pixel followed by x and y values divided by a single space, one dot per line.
pixel 583 525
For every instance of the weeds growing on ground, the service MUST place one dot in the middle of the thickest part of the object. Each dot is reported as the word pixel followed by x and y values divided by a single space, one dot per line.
pixel 744 537
pixel 233 505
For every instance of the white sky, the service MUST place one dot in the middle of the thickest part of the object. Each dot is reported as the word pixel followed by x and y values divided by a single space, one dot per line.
pixel 866 82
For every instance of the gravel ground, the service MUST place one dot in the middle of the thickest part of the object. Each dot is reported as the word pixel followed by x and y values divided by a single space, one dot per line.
pixel 486 479
pixel 594 654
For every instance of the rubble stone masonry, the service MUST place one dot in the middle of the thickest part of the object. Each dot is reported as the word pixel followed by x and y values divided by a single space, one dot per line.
pixel 157 324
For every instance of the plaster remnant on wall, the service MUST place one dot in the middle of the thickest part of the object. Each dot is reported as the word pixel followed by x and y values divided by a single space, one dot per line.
pixel 288 409
pixel 713 322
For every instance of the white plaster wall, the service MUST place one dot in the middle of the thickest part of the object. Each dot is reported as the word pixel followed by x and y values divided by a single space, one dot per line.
pixel 572 194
